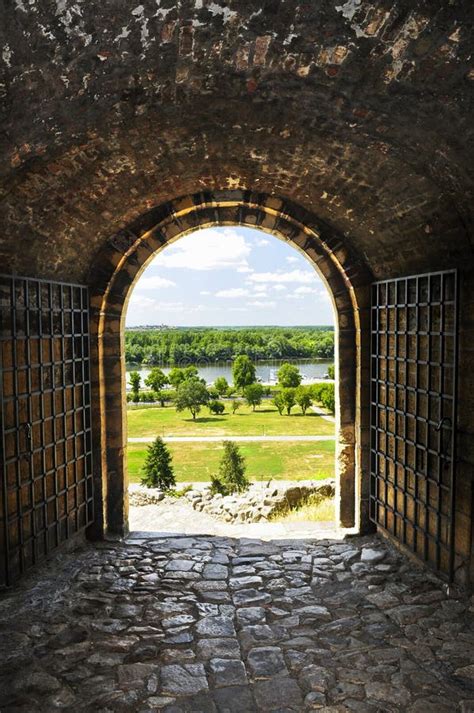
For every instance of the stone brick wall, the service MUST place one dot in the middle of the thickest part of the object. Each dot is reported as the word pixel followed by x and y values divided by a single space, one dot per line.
pixel 359 111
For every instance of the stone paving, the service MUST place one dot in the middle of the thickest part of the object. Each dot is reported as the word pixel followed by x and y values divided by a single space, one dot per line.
pixel 223 625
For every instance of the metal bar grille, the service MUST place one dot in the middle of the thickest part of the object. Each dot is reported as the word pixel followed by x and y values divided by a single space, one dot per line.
pixel 413 413
pixel 47 487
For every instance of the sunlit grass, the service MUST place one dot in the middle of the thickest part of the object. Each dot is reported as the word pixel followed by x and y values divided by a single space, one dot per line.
pixel 286 460
pixel 313 509
pixel 265 421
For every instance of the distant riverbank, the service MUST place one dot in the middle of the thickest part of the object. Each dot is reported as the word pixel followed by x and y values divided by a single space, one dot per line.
pixel 312 370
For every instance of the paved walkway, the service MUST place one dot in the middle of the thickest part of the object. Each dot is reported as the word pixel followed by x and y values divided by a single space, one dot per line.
pixel 224 625
pixel 180 518
pixel 218 439
pixel 324 414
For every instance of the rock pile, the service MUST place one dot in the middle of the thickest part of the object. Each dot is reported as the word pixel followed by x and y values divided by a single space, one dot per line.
pixel 257 504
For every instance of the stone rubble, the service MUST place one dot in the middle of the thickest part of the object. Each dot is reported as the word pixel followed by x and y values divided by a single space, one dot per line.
pixel 257 504
pixel 222 625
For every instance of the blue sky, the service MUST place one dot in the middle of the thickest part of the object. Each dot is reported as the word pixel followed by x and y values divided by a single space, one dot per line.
pixel 229 276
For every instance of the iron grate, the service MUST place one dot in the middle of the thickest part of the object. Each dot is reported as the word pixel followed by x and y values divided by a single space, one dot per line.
pixel 47 493
pixel 413 413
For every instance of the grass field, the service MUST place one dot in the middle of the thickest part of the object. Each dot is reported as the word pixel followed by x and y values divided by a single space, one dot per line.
pixel 282 461
pixel 264 421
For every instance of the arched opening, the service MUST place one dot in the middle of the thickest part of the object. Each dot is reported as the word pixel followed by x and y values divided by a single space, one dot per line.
pixel 118 268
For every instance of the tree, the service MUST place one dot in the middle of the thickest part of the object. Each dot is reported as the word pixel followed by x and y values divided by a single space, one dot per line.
pixel 135 381
pixel 324 394
pixel 216 407
pixel 303 398
pixel 288 397
pixel 253 395
pixel 289 376
pixel 279 403
pixel 221 385
pixel 243 372
pixel 232 469
pixel 157 467
pixel 176 376
pixel 235 405
pixel 156 379
pixel 191 394
pixel 163 396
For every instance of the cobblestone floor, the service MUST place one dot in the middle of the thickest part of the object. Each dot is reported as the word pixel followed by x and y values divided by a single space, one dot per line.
pixel 217 624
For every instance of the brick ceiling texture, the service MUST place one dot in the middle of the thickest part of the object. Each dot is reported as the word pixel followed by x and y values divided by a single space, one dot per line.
pixel 359 111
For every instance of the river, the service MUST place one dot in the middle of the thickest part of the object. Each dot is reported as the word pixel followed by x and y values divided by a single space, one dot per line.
pixel 311 370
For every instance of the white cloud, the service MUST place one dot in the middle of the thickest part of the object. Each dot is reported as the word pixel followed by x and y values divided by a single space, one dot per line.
pixel 301 276
pixel 238 309
pixel 154 283
pixel 141 302
pixel 293 258
pixel 279 287
pixel 204 292
pixel 207 249
pixel 232 292
pixel 261 288
pixel 304 290
pixel 261 242
pixel 244 268
pixel 262 305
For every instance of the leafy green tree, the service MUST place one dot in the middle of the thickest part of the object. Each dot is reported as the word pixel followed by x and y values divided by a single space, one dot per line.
pixel 324 394
pixel 156 379
pixel 163 396
pixel 176 376
pixel 253 394
pixel 288 397
pixel 216 407
pixel 191 394
pixel 135 381
pixel 157 467
pixel 191 372
pixel 289 376
pixel 331 371
pixel 235 405
pixel 221 385
pixel 303 398
pixel 243 372
pixel 279 403
pixel 232 469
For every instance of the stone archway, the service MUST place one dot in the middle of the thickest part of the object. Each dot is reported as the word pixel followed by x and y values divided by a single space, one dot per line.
pixel 120 264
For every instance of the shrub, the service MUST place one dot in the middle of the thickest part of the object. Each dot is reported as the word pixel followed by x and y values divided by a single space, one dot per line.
pixel 216 407
pixel 157 467
pixel 324 394
pixel 235 405
pixel 331 371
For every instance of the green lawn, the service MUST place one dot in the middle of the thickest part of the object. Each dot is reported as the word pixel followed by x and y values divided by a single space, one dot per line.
pixel 282 461
pixel 265 421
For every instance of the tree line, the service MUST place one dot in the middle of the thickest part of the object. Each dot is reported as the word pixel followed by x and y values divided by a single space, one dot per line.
pixel 193 345
pixel 189 392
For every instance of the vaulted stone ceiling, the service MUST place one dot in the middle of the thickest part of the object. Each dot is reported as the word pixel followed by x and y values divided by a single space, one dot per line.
pixel 360 111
